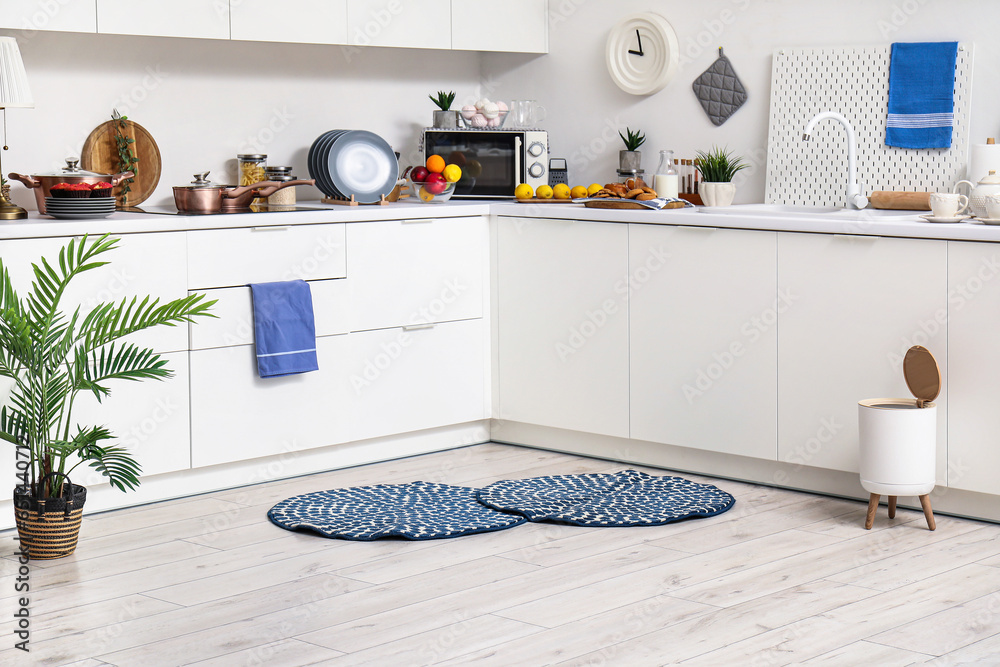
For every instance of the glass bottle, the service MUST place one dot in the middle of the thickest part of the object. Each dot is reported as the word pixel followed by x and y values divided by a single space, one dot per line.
pixel 666 181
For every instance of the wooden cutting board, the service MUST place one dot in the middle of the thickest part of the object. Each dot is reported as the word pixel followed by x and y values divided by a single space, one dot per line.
pixel 624 203
pixel 100 154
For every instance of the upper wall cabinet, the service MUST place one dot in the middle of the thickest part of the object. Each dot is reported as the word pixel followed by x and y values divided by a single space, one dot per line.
pixel 407 23
pixel 206 19
pixel 305 21
pixel 30 15
pixel 491 25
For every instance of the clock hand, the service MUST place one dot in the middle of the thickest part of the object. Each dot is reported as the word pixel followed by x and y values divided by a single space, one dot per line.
pixel 640 52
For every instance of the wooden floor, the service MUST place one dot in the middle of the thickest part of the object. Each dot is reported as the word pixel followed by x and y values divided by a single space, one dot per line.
pixel 781 578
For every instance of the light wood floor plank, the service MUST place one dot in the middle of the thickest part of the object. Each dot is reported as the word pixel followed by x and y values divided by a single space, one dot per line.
pixel 948 630
pixel 867 653
pixel 281 652
pixel 980 653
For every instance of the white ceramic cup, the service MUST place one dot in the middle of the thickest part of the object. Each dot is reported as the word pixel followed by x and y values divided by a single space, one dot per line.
pixel 993 206
pixel 947 204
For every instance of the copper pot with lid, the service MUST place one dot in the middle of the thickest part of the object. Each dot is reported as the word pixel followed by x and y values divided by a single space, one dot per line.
pixel 202 196
pixel 71 173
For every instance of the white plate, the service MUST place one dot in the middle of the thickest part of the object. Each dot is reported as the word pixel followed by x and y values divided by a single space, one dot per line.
pixel 362 164
pixel 78 216
pixel 957 218
pixel 989 221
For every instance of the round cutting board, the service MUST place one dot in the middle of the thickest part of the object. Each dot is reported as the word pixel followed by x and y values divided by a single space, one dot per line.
pixel 100 154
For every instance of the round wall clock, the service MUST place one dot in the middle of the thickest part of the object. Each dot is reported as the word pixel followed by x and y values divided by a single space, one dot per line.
pixel 642 53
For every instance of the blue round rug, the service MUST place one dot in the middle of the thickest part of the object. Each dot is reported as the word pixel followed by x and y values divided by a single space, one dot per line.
pixel 415 511
pixel 627 498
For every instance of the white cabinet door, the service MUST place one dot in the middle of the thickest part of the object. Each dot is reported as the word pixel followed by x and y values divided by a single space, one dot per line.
pixel 308 21
pixel 141 264
pixel 413 378
pixel 417 271
pixel 236 415
pixel 422 24
pixel 973 366
pixel 514 25
pixel 563 324
pixel 63 15
pixel 207 19
pixel 703 338
pixel 855 305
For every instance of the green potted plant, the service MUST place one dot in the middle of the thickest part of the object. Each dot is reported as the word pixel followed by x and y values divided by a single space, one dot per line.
pixel 630 159
pixel 444 117
pixel 49 357
pixel 718 167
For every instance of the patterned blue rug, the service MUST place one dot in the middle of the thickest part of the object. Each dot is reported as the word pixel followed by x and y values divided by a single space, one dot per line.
pixel 627 498
pixel 416 511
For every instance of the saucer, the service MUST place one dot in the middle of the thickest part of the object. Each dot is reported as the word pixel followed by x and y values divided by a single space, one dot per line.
pixel 989 221
pixel 957 218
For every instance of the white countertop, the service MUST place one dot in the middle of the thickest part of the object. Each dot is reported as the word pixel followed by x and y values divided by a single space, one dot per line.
pixel 752 216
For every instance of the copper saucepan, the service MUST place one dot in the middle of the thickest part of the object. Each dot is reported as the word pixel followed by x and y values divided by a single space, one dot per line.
pixel 202 196
pixel 240 202
pixel 71 173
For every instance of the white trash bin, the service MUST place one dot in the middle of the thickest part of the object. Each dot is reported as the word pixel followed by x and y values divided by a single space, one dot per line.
pixel 898 439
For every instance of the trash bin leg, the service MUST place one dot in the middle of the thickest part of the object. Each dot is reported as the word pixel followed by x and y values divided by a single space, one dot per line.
pixel 872 506
pixel 925 502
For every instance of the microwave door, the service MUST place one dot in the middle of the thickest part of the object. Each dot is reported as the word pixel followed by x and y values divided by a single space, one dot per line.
pixel 518 165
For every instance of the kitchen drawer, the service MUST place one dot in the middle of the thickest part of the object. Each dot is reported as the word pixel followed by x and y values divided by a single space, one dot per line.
pixel 142 264
pixel 235 257
pixel 407 379
pixel 234 311
pixel 417 271
pixel 236 415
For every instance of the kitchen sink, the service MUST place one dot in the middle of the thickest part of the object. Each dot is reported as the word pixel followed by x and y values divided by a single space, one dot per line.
pixel 784 210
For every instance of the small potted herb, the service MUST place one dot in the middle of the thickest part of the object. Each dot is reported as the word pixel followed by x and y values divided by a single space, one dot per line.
pixel 630 159
pixel 718 167
pixel 444 117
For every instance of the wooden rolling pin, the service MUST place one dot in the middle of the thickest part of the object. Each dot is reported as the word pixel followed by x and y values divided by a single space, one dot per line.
pixel 906 201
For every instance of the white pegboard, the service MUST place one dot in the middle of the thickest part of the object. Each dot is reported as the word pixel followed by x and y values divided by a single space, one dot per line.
pixel 853 81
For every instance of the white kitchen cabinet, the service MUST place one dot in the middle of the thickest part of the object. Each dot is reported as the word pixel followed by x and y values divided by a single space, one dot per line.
pixel 141 264
pixel 855 304
pixel 973 366
pixel 489 25
pixel 59 15
pixel 413 378
pixel 236 257
pixel 423 24
pixel 563 324
pixel 703 338
pixel 206 19
pixel 236 415
pixel 417 271
pixel 294 21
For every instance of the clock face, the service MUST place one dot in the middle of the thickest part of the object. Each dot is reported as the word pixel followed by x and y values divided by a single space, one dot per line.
pixel 642 54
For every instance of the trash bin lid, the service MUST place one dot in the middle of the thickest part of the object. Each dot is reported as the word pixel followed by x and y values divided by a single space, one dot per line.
pixel 922 375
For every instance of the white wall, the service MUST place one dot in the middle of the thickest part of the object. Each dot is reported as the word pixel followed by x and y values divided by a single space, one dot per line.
pixel 586 109
pixel 204 101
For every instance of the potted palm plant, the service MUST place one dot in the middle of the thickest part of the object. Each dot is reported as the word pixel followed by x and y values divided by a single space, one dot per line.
pixel 444 116
pixel 49 357
pixel 630 159
pixel 718 167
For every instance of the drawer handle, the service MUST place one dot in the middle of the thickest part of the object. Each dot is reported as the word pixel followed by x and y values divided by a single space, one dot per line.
pixel 410 221
pixel 418 327
pixel 856 237
pixel 269 229
pixel 697 228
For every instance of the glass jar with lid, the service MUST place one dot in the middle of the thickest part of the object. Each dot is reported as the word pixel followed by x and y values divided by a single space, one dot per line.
pixel 284 196
pixel 251 168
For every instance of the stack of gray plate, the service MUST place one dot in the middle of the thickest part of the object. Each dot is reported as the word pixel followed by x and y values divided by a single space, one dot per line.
pixel 353 162
pixel 79 208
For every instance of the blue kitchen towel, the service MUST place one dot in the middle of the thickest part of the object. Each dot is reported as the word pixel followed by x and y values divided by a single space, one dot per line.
pixel 284 328
pixel 921 94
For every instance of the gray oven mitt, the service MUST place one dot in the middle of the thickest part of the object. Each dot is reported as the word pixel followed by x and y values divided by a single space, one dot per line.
pixel 719 90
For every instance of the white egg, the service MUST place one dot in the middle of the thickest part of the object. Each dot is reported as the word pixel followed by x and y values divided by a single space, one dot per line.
pixel 479 120
pixel 468 111
pixel 490 110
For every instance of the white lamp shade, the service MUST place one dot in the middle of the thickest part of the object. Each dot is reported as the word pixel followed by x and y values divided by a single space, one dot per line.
pixel 14 90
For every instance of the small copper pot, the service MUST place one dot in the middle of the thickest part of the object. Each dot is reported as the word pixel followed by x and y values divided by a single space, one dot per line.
pixel 202 196
pixel 71 173
pixel 240 202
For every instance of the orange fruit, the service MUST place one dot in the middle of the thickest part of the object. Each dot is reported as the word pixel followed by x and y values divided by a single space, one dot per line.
pixel 436 164
pixel 452 173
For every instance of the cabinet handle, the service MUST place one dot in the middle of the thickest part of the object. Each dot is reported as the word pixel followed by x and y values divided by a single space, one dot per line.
pixel 856 237
pixel 410 221
pixel 269 229
pixel 418 327
pixel 697 228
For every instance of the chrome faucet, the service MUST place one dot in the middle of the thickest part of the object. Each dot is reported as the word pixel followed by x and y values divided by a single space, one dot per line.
pixel 855 199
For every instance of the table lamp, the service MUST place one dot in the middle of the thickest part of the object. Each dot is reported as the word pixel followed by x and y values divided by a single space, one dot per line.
pixel 14 92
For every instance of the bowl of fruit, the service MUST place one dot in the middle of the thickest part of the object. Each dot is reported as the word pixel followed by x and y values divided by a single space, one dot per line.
pixel 435 181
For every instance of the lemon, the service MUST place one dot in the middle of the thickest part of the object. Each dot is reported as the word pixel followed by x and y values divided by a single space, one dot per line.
pixel 593 187
pixel 524 191
pixel 543 192
pixel 578 192
pixel 425 195
pixel 452 173
pixel 561 191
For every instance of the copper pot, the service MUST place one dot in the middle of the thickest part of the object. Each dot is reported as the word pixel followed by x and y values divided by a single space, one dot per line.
pixel 240 202
pixel 203 196
pixel 71 173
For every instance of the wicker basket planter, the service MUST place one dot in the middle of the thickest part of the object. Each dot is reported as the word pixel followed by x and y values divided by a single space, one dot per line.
pixel 49 527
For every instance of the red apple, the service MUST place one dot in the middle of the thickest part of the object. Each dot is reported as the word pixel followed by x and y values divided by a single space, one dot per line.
pixel 435 183
pixel 419 174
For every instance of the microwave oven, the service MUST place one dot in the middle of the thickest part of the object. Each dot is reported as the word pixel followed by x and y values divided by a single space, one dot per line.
pixel 493 162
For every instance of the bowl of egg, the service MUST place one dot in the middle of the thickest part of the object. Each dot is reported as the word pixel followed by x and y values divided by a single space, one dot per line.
pixel 484 115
